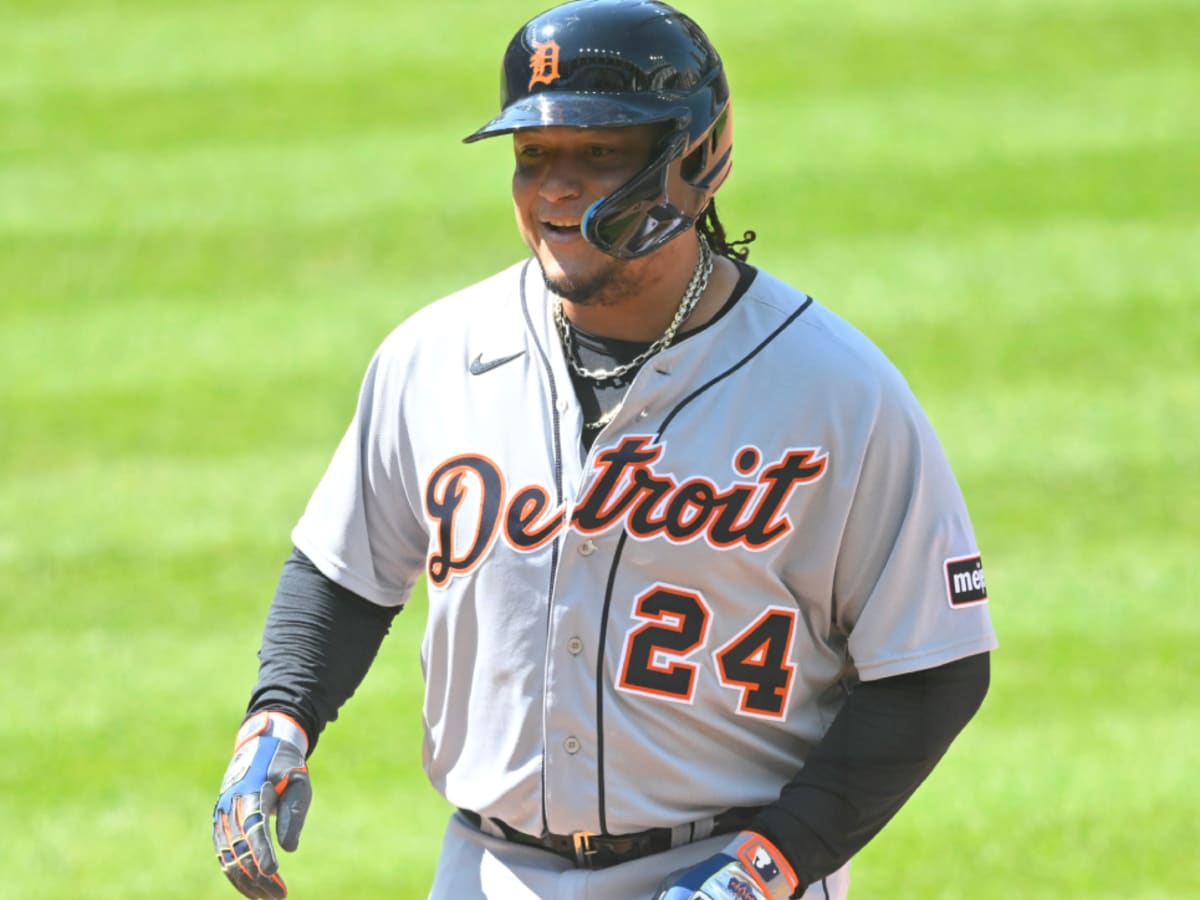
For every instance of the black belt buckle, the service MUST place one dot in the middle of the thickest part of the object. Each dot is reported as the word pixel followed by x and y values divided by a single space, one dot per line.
pixel 584 851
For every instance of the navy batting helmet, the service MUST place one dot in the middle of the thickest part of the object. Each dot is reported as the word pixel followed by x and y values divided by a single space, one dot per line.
pixel 613 63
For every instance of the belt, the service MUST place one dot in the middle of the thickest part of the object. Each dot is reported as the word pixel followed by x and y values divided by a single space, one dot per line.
pixel 598 851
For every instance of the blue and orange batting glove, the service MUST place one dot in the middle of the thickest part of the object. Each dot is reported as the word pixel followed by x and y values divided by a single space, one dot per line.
pixel 747 868
pixel 266 777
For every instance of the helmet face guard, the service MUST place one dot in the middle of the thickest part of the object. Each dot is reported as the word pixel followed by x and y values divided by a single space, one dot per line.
pixel 619 63
pixel 659 203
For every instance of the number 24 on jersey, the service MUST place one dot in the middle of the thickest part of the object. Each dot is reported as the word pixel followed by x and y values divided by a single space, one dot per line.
pixel 673 627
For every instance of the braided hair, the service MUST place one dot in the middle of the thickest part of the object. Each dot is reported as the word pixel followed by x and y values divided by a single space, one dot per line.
pixel 710 226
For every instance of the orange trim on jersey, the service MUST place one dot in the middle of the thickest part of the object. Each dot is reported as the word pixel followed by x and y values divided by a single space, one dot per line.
pixel 784 693
pixel 624 491
pixel 627 491
pixel 753 459
pixel 665 621
pixel 525 511
pixel 441 563
pixel 613 485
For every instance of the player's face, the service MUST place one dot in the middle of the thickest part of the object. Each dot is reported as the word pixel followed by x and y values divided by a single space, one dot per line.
pixel 560 172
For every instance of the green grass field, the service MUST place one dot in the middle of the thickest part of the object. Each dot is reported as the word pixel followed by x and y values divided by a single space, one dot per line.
pixel 211 213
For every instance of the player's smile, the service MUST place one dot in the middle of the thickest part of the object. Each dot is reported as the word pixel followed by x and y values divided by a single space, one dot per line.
pixel 560 230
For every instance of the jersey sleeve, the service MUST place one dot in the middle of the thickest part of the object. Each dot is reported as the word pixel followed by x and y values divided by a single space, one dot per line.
pixel 908 587
pixel 360 528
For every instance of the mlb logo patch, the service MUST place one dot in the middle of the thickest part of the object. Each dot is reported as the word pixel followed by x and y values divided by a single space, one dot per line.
pixel 764 866
pixel 965 585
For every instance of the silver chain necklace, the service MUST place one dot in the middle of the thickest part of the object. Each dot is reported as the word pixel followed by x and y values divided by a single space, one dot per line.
pixel 695 288
pixel 687 303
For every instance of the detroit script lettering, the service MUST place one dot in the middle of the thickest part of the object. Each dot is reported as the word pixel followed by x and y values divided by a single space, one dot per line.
pixel 625 490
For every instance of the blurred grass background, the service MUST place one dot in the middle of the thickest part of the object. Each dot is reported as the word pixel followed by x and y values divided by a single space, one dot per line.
pixel 211 213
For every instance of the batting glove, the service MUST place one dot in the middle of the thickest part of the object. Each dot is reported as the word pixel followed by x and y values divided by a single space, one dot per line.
pixel 747 868
pixel 267 776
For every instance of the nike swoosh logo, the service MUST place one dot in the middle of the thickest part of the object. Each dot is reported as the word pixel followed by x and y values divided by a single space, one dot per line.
pixel 478 366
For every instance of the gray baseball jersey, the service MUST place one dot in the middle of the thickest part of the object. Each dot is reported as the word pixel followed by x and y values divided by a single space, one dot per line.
pixel 768 519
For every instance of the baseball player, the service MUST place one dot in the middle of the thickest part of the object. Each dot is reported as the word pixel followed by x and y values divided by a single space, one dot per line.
pixel 705 603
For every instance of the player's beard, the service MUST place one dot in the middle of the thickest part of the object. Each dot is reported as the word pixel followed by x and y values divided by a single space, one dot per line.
pixel 595 289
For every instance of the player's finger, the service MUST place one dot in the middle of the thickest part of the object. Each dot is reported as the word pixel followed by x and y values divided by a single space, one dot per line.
pixel 259 887
pixel 293 807
pixel 259 860
pixel 219 844
pixel 252 824
pixel 266 887
pixel 245 887
pixel 231 865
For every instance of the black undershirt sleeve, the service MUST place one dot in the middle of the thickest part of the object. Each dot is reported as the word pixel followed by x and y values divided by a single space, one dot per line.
pixel 881 745
pixel 318 642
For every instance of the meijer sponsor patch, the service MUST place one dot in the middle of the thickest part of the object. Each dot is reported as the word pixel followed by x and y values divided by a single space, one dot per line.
pixel 964 580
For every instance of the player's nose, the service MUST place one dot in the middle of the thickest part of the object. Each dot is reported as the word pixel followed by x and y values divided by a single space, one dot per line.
pixel 561 181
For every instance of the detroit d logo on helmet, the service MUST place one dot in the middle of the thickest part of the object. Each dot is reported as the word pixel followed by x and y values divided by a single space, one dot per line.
pixel 544 63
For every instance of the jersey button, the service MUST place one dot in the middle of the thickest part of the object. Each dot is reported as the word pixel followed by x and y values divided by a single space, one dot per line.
pixel 575 646
pixel 644 414
pixel 562 405
pixel 572 745
pixel 587 548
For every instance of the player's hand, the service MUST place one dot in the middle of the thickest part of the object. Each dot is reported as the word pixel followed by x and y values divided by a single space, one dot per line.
pixel 267 776
pixel 748 868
